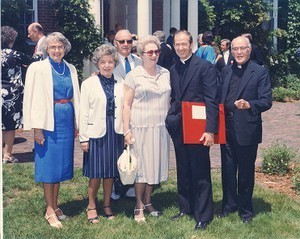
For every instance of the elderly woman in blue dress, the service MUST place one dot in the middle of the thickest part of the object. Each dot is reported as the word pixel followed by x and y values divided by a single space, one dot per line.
pixel 51 108
pixel 101 128
pixel 11 90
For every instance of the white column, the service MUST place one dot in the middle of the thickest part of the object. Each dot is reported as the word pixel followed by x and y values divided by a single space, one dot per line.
pixel 95 10
pixel 144 17
pixel 175 14
pixel 166 16
pixel 275 20
pixel 193 20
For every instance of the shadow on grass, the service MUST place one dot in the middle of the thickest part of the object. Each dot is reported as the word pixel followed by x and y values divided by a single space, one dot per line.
pixel 161 201
pixel 24 157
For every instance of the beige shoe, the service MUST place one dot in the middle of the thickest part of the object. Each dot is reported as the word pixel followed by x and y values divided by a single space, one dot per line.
pixel 9 159
pixel 62 216
pixel 137 218
pixel 55 223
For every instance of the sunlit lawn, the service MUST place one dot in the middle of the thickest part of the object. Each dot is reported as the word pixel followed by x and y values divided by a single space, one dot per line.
pixel 277 216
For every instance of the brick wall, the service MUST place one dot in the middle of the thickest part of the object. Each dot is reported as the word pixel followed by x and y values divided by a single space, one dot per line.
pixel 46 16
pixel 157 15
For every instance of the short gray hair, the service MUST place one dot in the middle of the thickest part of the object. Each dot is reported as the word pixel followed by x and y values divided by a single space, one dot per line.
pixel 104 50
pixel 145 41
pixel 8 36
pixel 57 36
pixel 160 35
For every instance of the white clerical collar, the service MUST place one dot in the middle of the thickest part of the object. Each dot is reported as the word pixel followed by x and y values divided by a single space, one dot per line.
pixel 183 61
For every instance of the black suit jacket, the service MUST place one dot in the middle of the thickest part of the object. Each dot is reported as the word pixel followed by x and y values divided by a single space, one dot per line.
pixel 221 62
pixel 200 85
pixel 255 87
pixel 166 56
pixel 256 55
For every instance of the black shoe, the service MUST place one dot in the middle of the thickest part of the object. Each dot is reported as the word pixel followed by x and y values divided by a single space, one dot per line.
pixel 201 225
pixel 247 220
pixel 178 216
pixel 223 214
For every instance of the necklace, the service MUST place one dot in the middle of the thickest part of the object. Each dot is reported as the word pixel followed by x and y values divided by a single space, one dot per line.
pixel 63 72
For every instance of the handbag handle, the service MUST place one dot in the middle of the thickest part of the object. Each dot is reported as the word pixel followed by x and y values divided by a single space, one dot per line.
pixel 128 156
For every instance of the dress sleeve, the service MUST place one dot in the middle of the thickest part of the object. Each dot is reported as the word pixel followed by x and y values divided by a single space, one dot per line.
pixel 129 81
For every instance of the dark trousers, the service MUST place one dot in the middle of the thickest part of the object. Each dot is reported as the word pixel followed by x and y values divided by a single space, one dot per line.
pixel 194 180
pixel 238 170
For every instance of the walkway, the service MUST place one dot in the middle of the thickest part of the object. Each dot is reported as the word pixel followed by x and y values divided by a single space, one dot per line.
pixel 281 122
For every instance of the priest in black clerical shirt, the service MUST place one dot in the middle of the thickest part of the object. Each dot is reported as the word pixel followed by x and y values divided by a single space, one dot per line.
pixel 246 93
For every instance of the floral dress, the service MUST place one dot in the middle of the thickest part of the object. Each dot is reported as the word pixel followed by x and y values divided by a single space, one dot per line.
pixel 12 87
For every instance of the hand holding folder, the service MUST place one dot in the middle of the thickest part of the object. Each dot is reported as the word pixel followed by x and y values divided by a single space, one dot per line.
pixel 194 123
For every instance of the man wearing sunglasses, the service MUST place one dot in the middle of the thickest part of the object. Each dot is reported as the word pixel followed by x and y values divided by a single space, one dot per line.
pixel 127 62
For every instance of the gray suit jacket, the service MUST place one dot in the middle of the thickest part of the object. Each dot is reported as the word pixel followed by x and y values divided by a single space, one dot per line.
pixel 119 69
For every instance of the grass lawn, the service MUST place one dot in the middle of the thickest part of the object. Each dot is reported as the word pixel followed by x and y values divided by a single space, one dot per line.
pixel 277 216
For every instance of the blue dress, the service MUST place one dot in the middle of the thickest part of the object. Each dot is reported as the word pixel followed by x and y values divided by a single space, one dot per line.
pixel 101 159
pixel 55 159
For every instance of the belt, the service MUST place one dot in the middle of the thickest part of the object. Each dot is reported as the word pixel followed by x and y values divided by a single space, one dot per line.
pixel 62 101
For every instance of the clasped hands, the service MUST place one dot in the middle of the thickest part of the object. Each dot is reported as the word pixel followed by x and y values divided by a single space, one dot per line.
pixel 242 104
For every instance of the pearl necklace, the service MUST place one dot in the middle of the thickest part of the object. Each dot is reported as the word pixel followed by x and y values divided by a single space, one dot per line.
pixel 57 72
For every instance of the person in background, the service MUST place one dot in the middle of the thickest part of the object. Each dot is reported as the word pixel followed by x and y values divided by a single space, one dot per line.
pixel 118 27
pixel 36 34
pixel 207 51
pixel 135 39
pixel 193 79
pixel 246 94
pixel 199 40
pixel 51 108
pixel 166 55
pixel 110 37
pixel 146 103
pixel 101 128
pixel 256 54
pixel 126 62
pixel 170 42
pixel 11 90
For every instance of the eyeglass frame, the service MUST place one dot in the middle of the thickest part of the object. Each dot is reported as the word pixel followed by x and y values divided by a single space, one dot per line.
pixel 129 41
pixel 53 48
pixel 150 53
pixel 241 48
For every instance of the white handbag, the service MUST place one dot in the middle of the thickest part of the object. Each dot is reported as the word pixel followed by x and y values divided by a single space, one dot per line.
pixel 127 166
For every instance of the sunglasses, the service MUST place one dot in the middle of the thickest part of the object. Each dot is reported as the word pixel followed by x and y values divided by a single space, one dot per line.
pixel 151 52
pixel 123 41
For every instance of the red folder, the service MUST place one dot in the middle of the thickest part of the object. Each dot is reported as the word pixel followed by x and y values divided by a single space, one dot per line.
pixel 194 123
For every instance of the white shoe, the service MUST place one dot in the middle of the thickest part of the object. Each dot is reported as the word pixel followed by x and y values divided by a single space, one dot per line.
pixel 115 196
pixel 130 193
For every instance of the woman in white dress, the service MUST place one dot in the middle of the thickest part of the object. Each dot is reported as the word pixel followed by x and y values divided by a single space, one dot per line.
pixel 146 103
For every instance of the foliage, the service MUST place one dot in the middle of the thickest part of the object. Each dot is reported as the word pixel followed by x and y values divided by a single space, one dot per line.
pixel 206 16
pixel 276 158
pixel 24 208
pixel 10 16
pixel 288 88
pixel 296 179
pixel 78 25
pixel 236 17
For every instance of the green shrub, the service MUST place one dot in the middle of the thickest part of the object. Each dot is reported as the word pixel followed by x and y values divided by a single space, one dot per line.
pixel 276 158
pixel 282 94
pixel 296 180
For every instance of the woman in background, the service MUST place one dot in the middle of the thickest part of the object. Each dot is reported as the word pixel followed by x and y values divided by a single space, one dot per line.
pixel 11 90
pixel 207 51
pixel 51 108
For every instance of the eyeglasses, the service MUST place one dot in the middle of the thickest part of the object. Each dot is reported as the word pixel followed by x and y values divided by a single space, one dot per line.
pixel 53 48
pixel 151 52
pixel 123 41
pixel 241 48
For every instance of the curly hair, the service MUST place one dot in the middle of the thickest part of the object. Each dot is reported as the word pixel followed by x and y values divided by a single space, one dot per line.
pixel 104 50
pixel 57 36
pixel 8 36
pixel 145 41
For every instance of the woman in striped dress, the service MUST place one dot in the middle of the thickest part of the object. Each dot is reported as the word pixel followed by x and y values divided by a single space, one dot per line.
pixel 101 128
pixel 146 103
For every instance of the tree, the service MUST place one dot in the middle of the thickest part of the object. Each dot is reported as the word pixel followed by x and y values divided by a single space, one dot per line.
pixel 10 16
pixel 78 25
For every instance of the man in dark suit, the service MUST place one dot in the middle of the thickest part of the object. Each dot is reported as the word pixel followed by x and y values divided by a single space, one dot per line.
pixel 246 93
pixel 166 55
pixel 256 54
pixel 170 42
pixel 193 79
pixel 226 60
